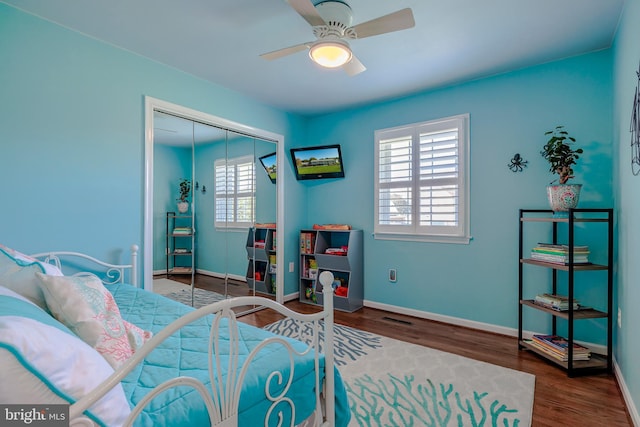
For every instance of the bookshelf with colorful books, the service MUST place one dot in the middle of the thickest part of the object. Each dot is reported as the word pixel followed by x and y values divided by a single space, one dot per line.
pixel 262 244
pixel 567 258
pixel 336 250
pixel 179 244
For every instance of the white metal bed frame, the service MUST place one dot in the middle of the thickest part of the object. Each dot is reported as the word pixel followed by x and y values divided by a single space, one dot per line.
pixel 223 404
pixel 114 273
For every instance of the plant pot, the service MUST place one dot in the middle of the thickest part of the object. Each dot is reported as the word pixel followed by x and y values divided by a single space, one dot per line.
pixel 183 207
pixel 563 197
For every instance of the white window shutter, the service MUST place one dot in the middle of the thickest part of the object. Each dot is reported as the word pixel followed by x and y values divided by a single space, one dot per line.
pixel 235 192
pixel 421 185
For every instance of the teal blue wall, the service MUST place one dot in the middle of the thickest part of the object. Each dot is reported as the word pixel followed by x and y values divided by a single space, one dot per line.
pixel 72 126
pixel 626 62
pixel 509 114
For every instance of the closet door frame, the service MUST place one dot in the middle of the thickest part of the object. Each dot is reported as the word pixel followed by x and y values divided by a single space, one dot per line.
pixel 154 104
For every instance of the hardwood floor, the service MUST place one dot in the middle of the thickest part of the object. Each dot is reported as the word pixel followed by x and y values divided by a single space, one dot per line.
pixel 233 288
pixel 559 400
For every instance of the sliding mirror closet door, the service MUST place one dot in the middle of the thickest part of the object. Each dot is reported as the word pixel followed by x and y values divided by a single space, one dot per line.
pixel 244 196
pixel 264 232
pixel 211 257
pixel 207 252
pixel 173 206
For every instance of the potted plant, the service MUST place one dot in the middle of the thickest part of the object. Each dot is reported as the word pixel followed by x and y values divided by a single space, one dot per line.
pixel 185 189
pixel 561 156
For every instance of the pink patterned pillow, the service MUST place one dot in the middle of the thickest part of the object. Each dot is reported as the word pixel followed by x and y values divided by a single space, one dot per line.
pixel 86 307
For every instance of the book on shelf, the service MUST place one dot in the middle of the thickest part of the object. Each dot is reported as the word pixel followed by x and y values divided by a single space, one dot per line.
pixel 542 250
pixel 560 256
pixel 576 307
pixel 560 345
pixel 563 247
pixel 558 356
pixel 307 242
pixel 555 302
pixel 560 260
pixel 182 230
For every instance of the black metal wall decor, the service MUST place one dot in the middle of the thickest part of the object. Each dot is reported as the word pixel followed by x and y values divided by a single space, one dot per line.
pixel 635 129
pixel 517 163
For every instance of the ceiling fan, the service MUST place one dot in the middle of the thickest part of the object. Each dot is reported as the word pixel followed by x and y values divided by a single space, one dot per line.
pixel 331 21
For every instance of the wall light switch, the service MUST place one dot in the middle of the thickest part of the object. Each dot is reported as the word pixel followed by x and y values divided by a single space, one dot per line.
pixel 392 275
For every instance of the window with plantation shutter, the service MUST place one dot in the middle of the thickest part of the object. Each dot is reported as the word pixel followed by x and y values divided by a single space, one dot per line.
pixel 234 192
pixel 421 181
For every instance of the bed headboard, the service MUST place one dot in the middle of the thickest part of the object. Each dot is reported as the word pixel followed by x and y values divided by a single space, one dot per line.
pixel 82 265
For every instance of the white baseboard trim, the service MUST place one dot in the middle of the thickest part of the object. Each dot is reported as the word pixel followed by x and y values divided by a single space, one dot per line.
pixel 221 275
pixel 291 297
pixel 628 400
pixel 442 318
pixel 472 324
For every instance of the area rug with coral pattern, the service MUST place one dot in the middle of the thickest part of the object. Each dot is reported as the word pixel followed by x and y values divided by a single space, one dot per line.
pixel 394 383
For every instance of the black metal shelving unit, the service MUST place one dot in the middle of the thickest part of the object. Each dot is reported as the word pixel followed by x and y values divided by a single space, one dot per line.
pixel 597 362
pixel 180 261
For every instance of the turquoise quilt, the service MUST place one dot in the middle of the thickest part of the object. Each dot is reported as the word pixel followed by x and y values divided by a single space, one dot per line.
pixel 186 354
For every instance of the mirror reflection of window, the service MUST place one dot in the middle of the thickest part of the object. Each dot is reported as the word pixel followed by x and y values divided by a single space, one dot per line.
pixel 235 192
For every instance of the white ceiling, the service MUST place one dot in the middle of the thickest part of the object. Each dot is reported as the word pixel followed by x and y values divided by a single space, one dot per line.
pixel 453 41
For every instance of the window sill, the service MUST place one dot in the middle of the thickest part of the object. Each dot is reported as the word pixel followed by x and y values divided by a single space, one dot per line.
pixel 232 229
pixel 461 240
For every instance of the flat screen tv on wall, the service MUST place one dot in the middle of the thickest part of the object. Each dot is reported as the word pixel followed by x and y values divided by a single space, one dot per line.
pixel 317 162
pixel 269 163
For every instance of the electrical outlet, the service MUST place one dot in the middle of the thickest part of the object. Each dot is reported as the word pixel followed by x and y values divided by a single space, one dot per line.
pixel 392 275
pixel 291 267
pixel 619 318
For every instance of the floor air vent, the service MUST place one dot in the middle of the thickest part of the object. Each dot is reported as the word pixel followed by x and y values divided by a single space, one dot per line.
pixel 405 322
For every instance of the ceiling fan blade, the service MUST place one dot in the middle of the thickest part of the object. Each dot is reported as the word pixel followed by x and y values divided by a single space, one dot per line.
pixel 396 21
pixel 307 10
pixel 354 67
pixel 285 51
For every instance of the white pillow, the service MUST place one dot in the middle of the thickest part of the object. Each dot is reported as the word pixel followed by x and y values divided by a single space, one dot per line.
pixel 43 362
pixel 49 269
pixel 86 307
pixel 18 273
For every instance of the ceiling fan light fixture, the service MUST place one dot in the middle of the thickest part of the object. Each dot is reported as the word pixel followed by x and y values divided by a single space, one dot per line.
pixel 330 54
